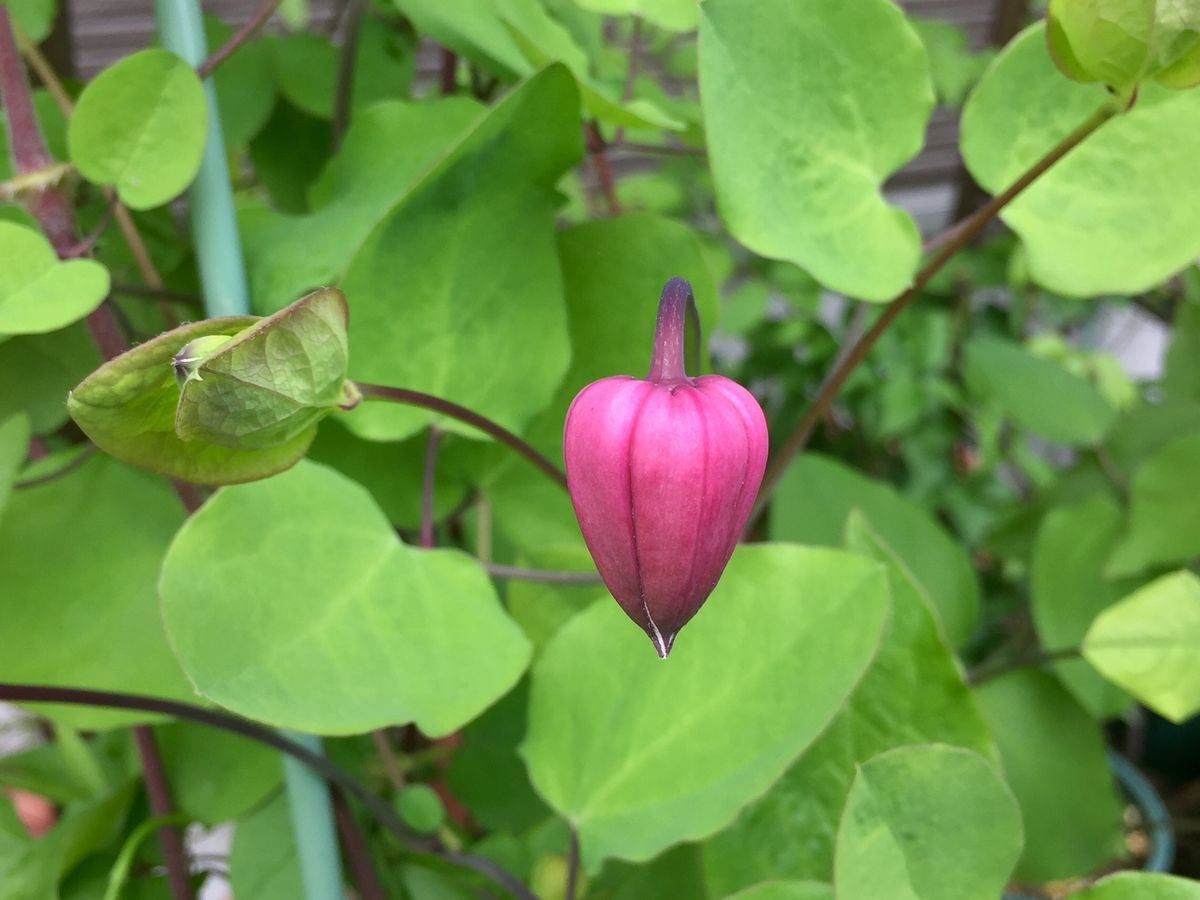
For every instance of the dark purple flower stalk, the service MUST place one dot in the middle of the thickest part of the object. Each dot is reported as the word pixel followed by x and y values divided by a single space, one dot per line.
pixel 663 472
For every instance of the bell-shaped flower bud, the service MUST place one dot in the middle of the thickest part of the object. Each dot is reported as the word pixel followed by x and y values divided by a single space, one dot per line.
pixel 663 472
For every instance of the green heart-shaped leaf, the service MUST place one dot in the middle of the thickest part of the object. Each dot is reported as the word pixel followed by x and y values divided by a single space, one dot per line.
pixel 622 744
pixel 292 602
pixel 127 407
pixel 38 291
pixel 913 808
pixel 272 382
pixel 1149 644
pixel 139 126
pixel 804 124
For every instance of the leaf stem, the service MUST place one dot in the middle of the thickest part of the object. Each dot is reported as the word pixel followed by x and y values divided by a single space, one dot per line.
pixel 137 247
pixel 358 857
pixel 948 244
pixel 347 56
pixel 428 483
pixel 236 39
pixel 332 773
pixel 1040 657
pixel 497 570
pixel 572 865
pixel 159 794
pixel 454 411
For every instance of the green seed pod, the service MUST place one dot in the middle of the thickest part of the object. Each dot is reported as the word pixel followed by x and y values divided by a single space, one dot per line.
pixel 186 362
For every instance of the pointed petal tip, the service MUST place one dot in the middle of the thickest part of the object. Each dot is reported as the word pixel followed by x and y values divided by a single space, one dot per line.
pixel 662 642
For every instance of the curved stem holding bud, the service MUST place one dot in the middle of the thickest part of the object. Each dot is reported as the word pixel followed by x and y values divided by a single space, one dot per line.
pixel 454 411
pixel 675 350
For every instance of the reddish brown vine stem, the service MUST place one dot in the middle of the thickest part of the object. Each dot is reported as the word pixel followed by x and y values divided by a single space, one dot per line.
pixel 159 794
pixel 52 208
pixel 238 38
pixel 949 243
pixel 604 171
pixel 332 773
pixel 454 411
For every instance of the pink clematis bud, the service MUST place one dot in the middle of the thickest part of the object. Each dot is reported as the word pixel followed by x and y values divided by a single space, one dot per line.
pixel 663 472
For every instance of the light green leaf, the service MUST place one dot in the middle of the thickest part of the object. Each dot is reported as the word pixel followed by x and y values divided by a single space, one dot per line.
pixel 1141 886
pixel 127 407
pixel 913 693
pixel 216 776
pixel 927 822
pixel 40 293
pixel 1164 518
pixel 14 443
pixel 1039 394
pixel 1068 590
pixel 139 126
pixel 263 862
pixel 1122 42
pixel 803 128
pixel 1149 644
pixel 1053 758
pixel 785 890
pixel 811 506
pixel 623 746
pixel 36 17
pixel 461 254
pixel 671 15
pixel 1121 212
pixel 342 628
pixel 80 555
pixel 272 382
pixel 386 151
pixel 472 29
pixel 544 40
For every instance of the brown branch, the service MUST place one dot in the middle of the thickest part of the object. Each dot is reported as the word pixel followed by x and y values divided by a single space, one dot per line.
pixel 1040 657
pixel 358 857
pixel 572 866
pixel 347 57
pixel 961 235
pixel 635 46
pixel 447 71
pixel 387 756
pixel 129 230
pixel 159 794
pixel 454 411
pixel 604 172
pixel 238 38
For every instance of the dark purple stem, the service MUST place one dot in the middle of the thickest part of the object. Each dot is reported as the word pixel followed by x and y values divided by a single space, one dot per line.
pixel 358 856
pixel 672 350
pixel 335 775
pixel 159 794
pixel 454 411
pixel 572 867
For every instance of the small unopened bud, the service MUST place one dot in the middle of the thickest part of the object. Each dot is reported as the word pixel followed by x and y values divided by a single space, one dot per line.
pixel 663 472
pixel 186 362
